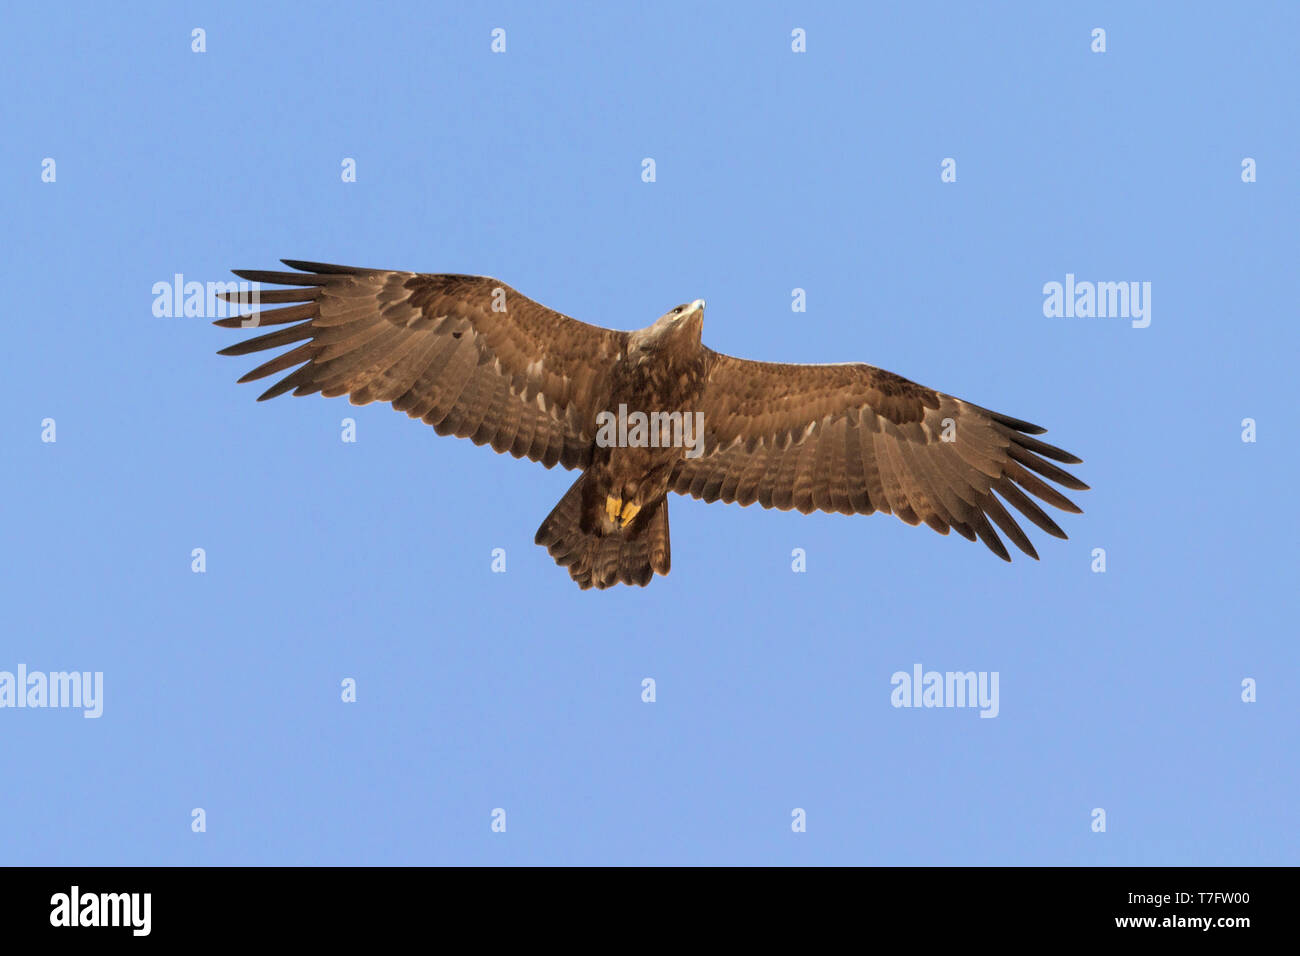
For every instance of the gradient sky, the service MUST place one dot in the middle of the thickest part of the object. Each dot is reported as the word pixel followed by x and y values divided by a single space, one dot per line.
pixel 371 560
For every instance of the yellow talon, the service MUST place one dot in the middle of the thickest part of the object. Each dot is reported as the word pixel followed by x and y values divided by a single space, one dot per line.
pixel 619 512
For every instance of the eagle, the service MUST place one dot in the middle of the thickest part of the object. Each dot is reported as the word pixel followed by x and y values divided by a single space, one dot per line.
pixel 644 413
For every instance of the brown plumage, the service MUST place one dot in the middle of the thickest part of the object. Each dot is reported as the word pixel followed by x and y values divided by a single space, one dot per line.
pixel 476 359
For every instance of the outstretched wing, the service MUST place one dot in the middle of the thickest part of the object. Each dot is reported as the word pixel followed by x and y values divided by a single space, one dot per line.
pixel 855 439
pixel 466 354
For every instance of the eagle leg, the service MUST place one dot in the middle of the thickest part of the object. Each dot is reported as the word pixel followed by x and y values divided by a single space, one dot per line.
pixel 621 512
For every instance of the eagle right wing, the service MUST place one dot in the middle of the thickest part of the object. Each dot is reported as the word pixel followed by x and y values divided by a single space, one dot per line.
pixel 466 354
pixel 855 439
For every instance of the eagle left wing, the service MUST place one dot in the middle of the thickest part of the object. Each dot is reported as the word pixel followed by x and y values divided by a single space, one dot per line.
pixel 466 354
pixel 855 439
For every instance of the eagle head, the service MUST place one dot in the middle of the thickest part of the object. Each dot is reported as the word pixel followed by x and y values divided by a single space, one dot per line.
pixel 687 320
pixel 683 325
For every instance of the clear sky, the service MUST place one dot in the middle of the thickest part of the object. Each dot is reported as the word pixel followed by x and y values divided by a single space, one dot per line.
pixel 774 171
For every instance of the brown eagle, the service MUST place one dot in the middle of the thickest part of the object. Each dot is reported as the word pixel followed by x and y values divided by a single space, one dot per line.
pixel 648 412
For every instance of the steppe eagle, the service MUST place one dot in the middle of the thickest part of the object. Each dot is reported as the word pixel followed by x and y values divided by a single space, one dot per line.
pixel 474 358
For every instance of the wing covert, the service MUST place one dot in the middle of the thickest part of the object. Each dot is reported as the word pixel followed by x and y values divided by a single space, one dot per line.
pixel 855 439
pixel 466 354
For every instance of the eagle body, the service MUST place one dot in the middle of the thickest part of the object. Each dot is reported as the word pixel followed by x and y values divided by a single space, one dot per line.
pixel 661 375
pixel 471 357
pixel 620 501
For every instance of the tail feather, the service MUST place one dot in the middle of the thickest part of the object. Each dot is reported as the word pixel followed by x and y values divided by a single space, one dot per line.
pixel 575 536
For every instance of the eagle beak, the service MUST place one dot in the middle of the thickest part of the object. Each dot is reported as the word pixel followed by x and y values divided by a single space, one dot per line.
pixel 697 306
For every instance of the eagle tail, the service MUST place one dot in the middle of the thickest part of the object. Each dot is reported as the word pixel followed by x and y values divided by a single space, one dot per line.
pixel 579 537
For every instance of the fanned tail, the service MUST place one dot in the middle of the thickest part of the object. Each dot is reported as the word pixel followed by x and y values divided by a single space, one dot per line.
pixel 576 537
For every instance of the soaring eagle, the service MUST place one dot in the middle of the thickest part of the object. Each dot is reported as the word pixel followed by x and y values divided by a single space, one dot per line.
pixel 474 358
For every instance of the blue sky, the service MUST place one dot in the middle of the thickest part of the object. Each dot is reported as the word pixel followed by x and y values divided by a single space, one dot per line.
pixel 775 170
